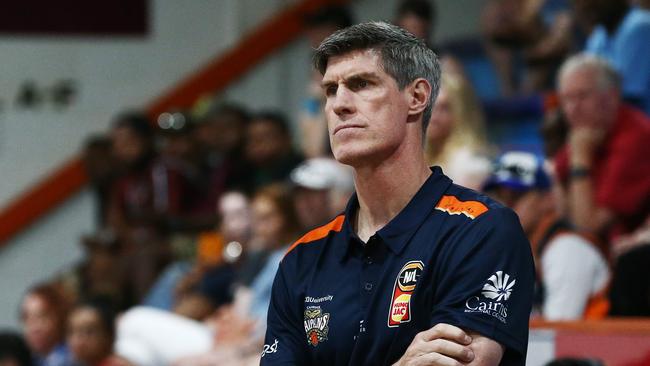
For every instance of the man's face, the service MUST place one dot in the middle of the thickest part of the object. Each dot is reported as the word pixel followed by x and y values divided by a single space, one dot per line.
pixel 415 25
pixel 235 216
pixel 223 133
pixel 128 147
pixel 40 324
pixel 312 206
pixel 87 338
pixel 265 142
pixel 365 110
pixel 584 103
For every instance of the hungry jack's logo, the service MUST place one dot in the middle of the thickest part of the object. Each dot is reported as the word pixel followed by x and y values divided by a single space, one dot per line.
pixel 400 305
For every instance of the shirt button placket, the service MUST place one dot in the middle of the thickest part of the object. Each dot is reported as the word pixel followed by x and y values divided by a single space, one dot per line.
pixel 368 271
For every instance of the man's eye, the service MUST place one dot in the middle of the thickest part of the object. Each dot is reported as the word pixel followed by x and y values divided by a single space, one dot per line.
pixel 359 84
pixel 330 90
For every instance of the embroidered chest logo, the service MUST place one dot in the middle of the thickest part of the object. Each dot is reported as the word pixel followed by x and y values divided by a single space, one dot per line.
pixel 316 325
pixel 496 293
pixel 400 305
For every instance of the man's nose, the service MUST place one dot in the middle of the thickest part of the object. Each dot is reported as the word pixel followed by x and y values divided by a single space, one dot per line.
pixel 570 107
pixel 343 102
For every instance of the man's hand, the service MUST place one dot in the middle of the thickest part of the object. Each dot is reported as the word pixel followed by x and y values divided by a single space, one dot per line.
pixel 584 141
pixel 441 345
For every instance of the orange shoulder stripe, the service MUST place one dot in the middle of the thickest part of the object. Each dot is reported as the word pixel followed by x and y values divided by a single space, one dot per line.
pixel 454 206
pixel 320 232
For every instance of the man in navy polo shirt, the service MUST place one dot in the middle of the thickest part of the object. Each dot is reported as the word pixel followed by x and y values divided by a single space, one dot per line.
pixel 417 270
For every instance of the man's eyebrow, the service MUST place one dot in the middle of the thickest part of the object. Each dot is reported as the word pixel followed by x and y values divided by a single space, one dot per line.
pixel 361 75
pixel 326 83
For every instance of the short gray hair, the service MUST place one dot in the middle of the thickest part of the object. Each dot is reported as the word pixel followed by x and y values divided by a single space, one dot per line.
pixel 607 76
pixel 402 55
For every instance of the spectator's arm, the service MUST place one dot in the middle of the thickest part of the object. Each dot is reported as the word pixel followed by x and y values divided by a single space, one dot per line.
pixel 583 210
pixel 312 124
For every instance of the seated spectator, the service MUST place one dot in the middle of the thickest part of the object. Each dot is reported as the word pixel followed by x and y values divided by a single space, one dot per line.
pixel 325 21
pixel 539 32
pixel 147 191
pixel 151 337
pixel 604 166
pixel 455 139
pixel 275 226
pixel 14 350
pixel 321 188
pixel 177 147
pixel 566 291
pixel 100 167
pixel 91 331
pixel 621 36
pixel 178 152
pixel 241 327
pixel 417 17
pixel 314 141
pixel 43 314
pixel 144 199
pixel 269 150
pixel 227 244
pixel 99 274
pixel 220 137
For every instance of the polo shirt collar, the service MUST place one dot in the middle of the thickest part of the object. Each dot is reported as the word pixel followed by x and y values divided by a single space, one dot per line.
pixel 397 233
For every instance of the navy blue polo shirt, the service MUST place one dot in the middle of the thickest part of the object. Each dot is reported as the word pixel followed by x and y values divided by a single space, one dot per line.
pixel 450 256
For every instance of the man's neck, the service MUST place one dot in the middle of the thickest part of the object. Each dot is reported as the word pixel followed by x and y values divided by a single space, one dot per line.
pixel 384 190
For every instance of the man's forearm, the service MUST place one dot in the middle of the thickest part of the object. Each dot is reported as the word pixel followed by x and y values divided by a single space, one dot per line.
pixel 585 213
pixel 581 203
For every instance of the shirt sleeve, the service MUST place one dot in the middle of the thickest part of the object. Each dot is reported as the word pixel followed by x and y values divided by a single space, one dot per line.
pixel 627 166
pixel 285 342
pixel 633 60
pixel 485 281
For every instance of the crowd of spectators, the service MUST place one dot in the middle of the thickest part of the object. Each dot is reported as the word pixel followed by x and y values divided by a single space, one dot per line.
pixel 195 209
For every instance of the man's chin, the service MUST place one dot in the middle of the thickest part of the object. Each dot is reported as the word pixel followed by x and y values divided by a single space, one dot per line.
pixel 351 158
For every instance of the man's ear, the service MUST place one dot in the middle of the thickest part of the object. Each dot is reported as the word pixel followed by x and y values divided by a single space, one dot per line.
pixel 418 96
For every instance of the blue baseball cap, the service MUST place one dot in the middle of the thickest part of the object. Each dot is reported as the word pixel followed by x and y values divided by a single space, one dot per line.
pixel 518 170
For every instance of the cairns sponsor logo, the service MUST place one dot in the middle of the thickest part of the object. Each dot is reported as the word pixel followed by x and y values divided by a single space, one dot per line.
pixel 400 305
pixel 316 325
pixel 495 293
